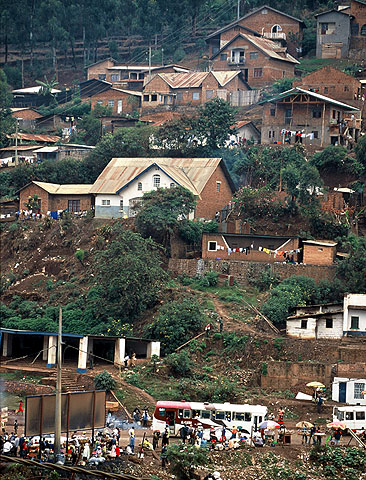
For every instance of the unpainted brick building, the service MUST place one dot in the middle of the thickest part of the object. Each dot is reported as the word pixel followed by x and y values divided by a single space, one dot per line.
pixel 120 101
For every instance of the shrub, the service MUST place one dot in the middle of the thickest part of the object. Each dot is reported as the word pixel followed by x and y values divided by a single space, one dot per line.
pixel 265 280
pixel 104 381
pixel 209 279
pixel 80 254
pixel 184 459
pixel 233 343
pixel 179 364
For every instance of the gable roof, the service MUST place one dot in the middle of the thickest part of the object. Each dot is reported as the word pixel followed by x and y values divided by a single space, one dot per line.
pixel 35 137
pixel 33 90
pixel 191 173
pixel 266 46
pixel 55 188
pixel 93 86
pixel 195 79
pixel 333 10
pixel 330 69
pixel 322 98
pixel 101 61
pixel 231 25
pixel 249 14
pixel 243 123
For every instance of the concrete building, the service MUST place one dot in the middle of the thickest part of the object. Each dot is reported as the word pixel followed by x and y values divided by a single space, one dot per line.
pixel 77 349
pixel 26 117
pixel 330 321
pixel 348 390
pixel 333 36
pixel 53 197
pixel 120 186
pixel 60 152
pixel 300 115
pixel 246 130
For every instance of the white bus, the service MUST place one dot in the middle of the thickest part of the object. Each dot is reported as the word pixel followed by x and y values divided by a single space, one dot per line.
pixel 217 415
pixel 353 416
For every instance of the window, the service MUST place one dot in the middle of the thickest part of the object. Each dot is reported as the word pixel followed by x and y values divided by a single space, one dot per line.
pixel 325 89
pixel 99 102
pixel 73 206
pixel 317 113
pixel 273 112
pixel 121 205
pixel 304 324
pixel 212 246
pixel 329 323
pixel 218 186
pixel 264 11
pixel 258 72
pixel 186 413
pixel 355 323
pixel 106 203
pixel 205 414
pixel 346 88
pixel 242 416
pixel 316 133
pixel 269 133
pixel 349 416
pixel 146 98
pixel 340 416
pixel 253 55
pixel 276 28
pixel 195 95
pixel 288 116
pixel 172 185
pixel 156 181
pixel 238 56
pixel 119 106
pixel 209 94
pixel 357 389
pixel 141 76
pixel 114 77
pixel 133 76
pixel 327 28
pixel 360 415
pixel 139 186
pixel 111 103
pixel 161 413
pixel 363 30
pixel 220 415
pixel 223 57
pixel 179 96
pixel 154 97
pixel 101 76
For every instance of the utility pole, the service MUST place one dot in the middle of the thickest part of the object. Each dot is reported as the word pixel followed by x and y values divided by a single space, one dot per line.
pixel 16 141
pixel 57 446
pixel 238 11
pixel 162 56
pixel 149 63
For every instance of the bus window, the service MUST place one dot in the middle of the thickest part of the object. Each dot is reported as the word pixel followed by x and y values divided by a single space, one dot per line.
pixel 360 415
pixel 205 414
pixel 238 416
pixel 260 420
pixel 340 415
pixel 161 413
pixel 220 415
pixel 248 417
pixel 186 414
pixel 196 413
pixel 180 413
pixel 228 416
pixel 349 415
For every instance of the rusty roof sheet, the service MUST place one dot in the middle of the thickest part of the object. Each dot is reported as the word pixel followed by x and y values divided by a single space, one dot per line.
pixel 191 173
pixel 271 48
pixel 184 80
pixel 226 76
pixel 55 188
pixel 159 118
pixel 12 148
pixel 35 137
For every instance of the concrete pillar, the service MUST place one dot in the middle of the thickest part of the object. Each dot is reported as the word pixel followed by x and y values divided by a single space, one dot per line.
pixel 153 348
pixel 45 347
pixel 119 351
pixel 83 355
pixel 7 344
pixel 90 350
pixel 52 351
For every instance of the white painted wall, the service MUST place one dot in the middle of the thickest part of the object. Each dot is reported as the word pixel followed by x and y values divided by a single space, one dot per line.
pixel 351 302
pixel 153 348
pixel 316 327
pixel 293 328
pixel 350 399
pixel 335 332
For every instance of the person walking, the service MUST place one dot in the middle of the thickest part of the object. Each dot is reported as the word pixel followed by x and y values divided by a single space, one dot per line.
pixel 163 456
pixel 20 409
pixel 312 433
pixel 207 329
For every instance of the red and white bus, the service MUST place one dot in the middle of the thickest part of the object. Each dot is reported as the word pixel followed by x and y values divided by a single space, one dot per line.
pixel 217 415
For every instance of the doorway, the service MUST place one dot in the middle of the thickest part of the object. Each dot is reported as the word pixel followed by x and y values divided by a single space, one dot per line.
pixel 342 392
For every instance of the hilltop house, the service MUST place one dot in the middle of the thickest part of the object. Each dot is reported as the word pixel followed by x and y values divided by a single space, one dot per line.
pixel 195 88
pixel 331 320
pixel 342 30
pixel 120 186
pixel 260 60
pixel 53 197
pixel 300 115
pixel 264 21
pixel 127 77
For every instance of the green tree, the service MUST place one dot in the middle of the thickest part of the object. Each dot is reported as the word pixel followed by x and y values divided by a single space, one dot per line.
pixel 360 150
pixel 335 158
pixel 176 322
pixel 352 270
pixel 7 122
pixel 104 381
pixel 215 119
pixel 46 90
pixel 128 278
pixel 162 210
pixel 184 459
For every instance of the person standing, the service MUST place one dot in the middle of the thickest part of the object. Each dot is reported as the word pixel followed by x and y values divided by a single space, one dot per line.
pixel 337 437
pixel 319 404
pixel 163 455
pixel 207 329
pixel 20 409
pixel 156 436
pixel 16 426
pixel 131 433
pixel 126 360
pixel 304 435
pixel 165 439
pixel 312 432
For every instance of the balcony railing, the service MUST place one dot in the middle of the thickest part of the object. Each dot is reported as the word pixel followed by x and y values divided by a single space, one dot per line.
pixel 236 61
pixel 275 36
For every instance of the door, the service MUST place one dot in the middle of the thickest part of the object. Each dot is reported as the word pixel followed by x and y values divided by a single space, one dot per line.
pixel 119 106
pixel 342 392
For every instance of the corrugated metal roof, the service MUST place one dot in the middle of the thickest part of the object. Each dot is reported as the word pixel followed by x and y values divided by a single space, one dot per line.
pixel 324 243
pixel 184 80
pixel 46 150
pixel 225 77
pixel 20 148
pixel 35 137
pixel 129 92
pixel 55 188
pixel 191 173
pixel 33 90
pixel 323 98
pixel 159 118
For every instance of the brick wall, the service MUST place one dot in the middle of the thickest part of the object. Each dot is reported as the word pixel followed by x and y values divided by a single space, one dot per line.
pixel 31 190
pixel 358 10
pixel 26 114
pixel 211 200
pixel 332 202
pixel 60 202
pixel 356 370
pixel 100 68
pixel 354 354
pixel 284 375
pixel 242 270
pixel 318 254
pixel 129 102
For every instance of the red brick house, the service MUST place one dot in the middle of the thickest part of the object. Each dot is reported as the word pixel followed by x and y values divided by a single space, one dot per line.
pixel 122 183
pixel 319 252
pixel 260 60
pixel 264 21
pixel 357 11
pixel 194 88
pixel 26 117
pixel 120 101
pixel 52 197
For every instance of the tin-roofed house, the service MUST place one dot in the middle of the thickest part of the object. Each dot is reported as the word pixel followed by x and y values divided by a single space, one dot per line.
pixel 120 186
pixel 53 197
